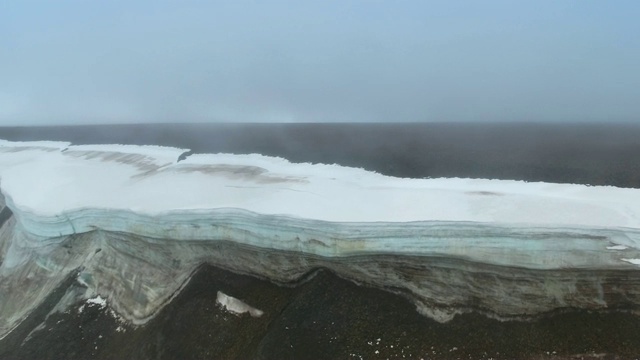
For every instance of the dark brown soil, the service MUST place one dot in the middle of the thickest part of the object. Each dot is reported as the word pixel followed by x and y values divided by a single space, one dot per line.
pixel 323 318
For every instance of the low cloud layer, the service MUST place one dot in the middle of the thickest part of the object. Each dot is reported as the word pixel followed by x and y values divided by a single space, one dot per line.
pixel 73 62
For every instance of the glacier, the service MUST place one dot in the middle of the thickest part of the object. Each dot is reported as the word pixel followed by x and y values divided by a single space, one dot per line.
pixel 133 223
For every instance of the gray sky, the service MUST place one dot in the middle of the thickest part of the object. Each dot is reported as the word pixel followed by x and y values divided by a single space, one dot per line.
pixel 87 62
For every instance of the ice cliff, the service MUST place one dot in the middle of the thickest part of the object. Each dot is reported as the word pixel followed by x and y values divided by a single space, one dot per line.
pixel 133 223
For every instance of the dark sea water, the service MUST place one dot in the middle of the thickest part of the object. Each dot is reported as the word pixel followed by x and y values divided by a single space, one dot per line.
pixel 597 154
pixel 328 317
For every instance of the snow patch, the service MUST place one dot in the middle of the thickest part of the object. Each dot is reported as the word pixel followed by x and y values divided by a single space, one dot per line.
pixel 632 261
pixel 617 247
pixel 236 306
pixel 98 300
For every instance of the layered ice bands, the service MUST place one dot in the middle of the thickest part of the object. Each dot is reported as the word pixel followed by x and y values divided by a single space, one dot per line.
pixel 134 223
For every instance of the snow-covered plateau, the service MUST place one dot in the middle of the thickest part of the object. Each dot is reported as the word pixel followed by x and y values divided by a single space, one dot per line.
pixel 133 223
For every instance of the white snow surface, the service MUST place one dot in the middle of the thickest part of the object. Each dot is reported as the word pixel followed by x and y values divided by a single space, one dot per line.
pixel 632 261
pixel 161 154
pixel 148 180
pixel 236 306
pixel 5 144
pixel 98 300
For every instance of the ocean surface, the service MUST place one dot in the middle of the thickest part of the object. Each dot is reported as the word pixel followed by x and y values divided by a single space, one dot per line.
pixel 596 154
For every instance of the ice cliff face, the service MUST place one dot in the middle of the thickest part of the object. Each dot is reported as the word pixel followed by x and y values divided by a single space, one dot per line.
pixel 133 223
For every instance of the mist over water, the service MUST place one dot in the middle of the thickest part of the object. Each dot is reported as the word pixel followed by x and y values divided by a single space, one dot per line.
pixel 596 154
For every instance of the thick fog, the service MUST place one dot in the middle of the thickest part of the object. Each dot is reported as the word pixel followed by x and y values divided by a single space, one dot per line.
pixel 88 62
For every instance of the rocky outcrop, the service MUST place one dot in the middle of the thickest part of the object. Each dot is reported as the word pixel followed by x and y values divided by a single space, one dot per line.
pixel 138 274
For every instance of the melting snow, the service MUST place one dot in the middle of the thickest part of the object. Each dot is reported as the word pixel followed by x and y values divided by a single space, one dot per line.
pixel 236 306
pixel 98 300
